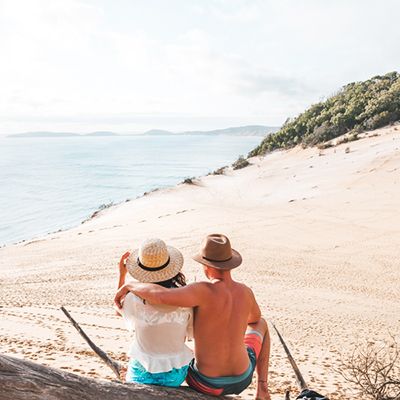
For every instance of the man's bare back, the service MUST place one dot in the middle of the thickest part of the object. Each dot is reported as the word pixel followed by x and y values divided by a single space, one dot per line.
pixel 219 327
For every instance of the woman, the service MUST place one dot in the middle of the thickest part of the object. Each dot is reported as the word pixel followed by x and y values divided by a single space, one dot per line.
pixel 158 355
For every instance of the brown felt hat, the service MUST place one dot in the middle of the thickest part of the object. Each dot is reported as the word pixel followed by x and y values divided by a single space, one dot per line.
pixel 216 252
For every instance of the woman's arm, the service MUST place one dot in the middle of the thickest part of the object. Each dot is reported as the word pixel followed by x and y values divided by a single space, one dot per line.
pixel 122 269
pixel 122 274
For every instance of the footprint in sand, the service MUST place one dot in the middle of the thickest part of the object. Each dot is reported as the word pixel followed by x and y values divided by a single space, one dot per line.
pixel 166 215
pixel 61 338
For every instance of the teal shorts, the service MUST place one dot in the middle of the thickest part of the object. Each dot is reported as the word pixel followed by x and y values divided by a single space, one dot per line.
pixel 138 374
pixel 225 385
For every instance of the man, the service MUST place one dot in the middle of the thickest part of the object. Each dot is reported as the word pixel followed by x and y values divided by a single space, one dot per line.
pixel 231 338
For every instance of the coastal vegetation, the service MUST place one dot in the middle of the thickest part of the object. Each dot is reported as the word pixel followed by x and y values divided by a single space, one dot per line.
pixel 219 171
pixel 240 163
pixel 357 107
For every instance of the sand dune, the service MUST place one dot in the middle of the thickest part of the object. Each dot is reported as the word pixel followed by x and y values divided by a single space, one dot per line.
pixel 319 232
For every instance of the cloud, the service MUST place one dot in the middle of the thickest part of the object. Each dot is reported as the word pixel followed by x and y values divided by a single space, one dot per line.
pixel 234 11
pixel 247 59
pixel 256 83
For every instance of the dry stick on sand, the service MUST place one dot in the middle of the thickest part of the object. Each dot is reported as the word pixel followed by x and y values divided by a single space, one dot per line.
pixel 299 377
pixel 306 393
pixel 115 366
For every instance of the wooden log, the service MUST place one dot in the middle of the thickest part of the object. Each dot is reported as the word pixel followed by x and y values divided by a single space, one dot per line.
pixel 26 380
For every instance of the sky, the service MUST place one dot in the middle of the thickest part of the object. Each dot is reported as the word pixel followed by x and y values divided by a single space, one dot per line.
pixel 129 66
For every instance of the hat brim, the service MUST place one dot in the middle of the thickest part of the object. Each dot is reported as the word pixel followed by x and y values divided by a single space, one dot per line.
pixel 232 263
pixel 172 269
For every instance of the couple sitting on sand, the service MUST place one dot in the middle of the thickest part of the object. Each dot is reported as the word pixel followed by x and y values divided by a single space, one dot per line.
pixel 231 338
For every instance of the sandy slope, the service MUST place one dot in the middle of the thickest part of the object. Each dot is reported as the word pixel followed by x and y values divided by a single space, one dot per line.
pixel 320 237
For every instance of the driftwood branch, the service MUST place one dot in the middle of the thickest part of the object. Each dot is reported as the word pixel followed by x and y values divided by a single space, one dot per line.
pixel 26 380
pixel 306 393
pixel 299 376
pixel 115 366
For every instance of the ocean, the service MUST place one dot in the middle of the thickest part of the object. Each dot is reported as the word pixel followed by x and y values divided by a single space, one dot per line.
pixel 47 184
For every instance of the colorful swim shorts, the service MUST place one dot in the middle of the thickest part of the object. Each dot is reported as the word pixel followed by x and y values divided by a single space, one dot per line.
pixel 138 374
pixel 227 384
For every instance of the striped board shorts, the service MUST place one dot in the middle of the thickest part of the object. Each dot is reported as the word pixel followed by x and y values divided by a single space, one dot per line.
pixel 225 385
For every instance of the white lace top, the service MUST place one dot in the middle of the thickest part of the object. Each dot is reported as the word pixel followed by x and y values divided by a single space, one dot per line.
pixel 160 332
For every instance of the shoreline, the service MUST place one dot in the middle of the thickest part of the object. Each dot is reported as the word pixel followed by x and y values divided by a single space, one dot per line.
pixel 320 256
pixel 107 207
pixel 100 209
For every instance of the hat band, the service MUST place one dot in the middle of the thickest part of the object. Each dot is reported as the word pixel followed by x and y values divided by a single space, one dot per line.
pixel 153 269
pixel 210 259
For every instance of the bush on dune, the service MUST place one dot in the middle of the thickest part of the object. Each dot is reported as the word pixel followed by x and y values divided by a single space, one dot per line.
pixel 374 370
pixel 240 163
pixel 357 107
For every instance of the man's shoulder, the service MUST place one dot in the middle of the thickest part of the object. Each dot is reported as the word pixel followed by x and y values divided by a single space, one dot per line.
pixel 243 287
pixel 202 285
pixel 202 290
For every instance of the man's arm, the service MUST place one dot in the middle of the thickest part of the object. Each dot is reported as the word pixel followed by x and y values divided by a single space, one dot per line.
pixel 191 295
pixel 255 312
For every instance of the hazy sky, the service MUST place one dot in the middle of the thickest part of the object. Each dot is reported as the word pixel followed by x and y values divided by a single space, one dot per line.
pixel 128 66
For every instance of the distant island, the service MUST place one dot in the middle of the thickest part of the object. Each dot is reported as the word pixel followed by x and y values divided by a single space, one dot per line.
pixel 101 133
pixel 59 134
pixel 250 130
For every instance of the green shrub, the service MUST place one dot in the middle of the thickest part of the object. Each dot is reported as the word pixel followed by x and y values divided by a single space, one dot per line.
pixel 240 163
pixel 219 171
pixel 355 108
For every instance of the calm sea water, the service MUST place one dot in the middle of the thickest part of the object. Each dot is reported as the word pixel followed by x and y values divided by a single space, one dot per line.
pixel 48 184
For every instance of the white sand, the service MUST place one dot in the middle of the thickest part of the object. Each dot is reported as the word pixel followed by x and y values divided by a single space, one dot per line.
pixel 320 238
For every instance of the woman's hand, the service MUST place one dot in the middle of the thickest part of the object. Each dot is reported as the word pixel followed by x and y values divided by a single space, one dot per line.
pixel 122 263
pixel 122 269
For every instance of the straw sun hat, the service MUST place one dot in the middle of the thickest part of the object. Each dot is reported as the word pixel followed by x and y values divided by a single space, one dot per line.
pixel 154 261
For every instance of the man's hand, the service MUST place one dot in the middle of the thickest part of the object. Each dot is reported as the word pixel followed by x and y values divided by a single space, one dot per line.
pixel 120 295
pixel 118 311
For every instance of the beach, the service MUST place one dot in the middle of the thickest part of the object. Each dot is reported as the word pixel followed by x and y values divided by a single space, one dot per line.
pixel 319 232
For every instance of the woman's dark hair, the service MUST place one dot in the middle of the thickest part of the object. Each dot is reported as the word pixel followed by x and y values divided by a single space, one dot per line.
pixel 177 281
